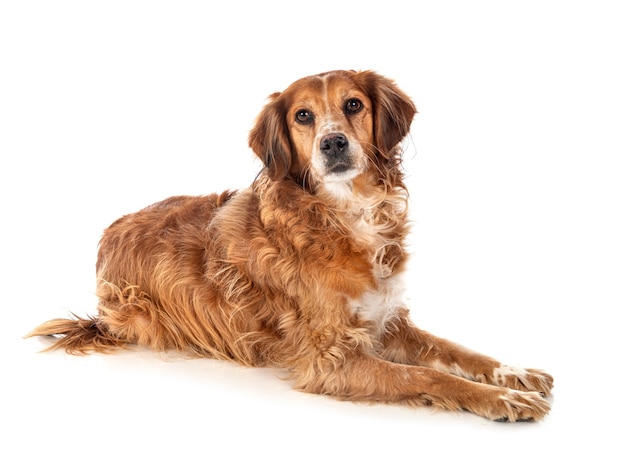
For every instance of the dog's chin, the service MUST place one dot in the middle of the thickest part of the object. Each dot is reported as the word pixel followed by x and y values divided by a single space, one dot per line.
pixel 341 173
pixel 337 183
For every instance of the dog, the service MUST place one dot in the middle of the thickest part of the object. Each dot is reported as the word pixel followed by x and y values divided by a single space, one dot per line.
pixel 302 271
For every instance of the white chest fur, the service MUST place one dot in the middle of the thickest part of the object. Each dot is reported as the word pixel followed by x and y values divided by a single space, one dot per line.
pixel 379 305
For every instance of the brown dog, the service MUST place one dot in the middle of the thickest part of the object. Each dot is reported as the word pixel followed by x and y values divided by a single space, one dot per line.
pixel 302 270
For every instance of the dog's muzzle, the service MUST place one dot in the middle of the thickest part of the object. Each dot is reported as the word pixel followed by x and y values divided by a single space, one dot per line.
pixel 336 151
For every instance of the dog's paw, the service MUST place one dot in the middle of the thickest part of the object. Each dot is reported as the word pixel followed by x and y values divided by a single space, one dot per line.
pixel 523 379
pixel 518 406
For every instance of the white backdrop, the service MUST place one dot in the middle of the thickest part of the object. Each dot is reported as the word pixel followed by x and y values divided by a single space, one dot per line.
pixel 516 167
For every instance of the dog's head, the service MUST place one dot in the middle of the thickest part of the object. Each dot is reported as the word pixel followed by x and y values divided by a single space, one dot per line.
pixel 332 128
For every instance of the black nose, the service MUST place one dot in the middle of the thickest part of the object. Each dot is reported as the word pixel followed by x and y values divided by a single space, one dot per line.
pixel 334 145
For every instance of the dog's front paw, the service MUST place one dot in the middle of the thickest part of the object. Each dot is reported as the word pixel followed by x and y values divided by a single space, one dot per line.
pixel 517 406
pixel 523 379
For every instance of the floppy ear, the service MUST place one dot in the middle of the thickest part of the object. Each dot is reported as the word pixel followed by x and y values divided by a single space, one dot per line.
pixel 393 111
pixel 269 139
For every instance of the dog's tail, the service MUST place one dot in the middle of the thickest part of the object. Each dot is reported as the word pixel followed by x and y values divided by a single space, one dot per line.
pixel 78 335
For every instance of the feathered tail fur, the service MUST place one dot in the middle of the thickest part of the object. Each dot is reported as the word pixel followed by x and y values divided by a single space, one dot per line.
pixel 78 335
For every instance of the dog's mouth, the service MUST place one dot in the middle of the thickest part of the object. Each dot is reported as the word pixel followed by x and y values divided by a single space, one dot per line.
pixel 341 171
pixel 339 168
pixel 339 164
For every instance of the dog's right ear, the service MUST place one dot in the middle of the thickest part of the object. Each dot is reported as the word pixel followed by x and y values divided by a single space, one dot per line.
pixel 269 139
pixel 393 111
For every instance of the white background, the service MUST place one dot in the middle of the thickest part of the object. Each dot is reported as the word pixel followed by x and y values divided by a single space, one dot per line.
pixel 516 168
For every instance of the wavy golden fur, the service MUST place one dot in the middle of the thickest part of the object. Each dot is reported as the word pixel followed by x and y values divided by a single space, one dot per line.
pixel 302 270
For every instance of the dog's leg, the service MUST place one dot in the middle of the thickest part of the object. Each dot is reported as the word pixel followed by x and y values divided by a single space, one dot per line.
pixel 367 378
pixel 405 343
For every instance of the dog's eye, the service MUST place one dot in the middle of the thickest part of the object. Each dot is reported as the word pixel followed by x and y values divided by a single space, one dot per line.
pixel 304 116
pixel 353 106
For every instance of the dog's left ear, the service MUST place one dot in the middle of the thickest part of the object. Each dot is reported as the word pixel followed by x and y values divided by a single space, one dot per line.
pixel 393 111
pixel 269 139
